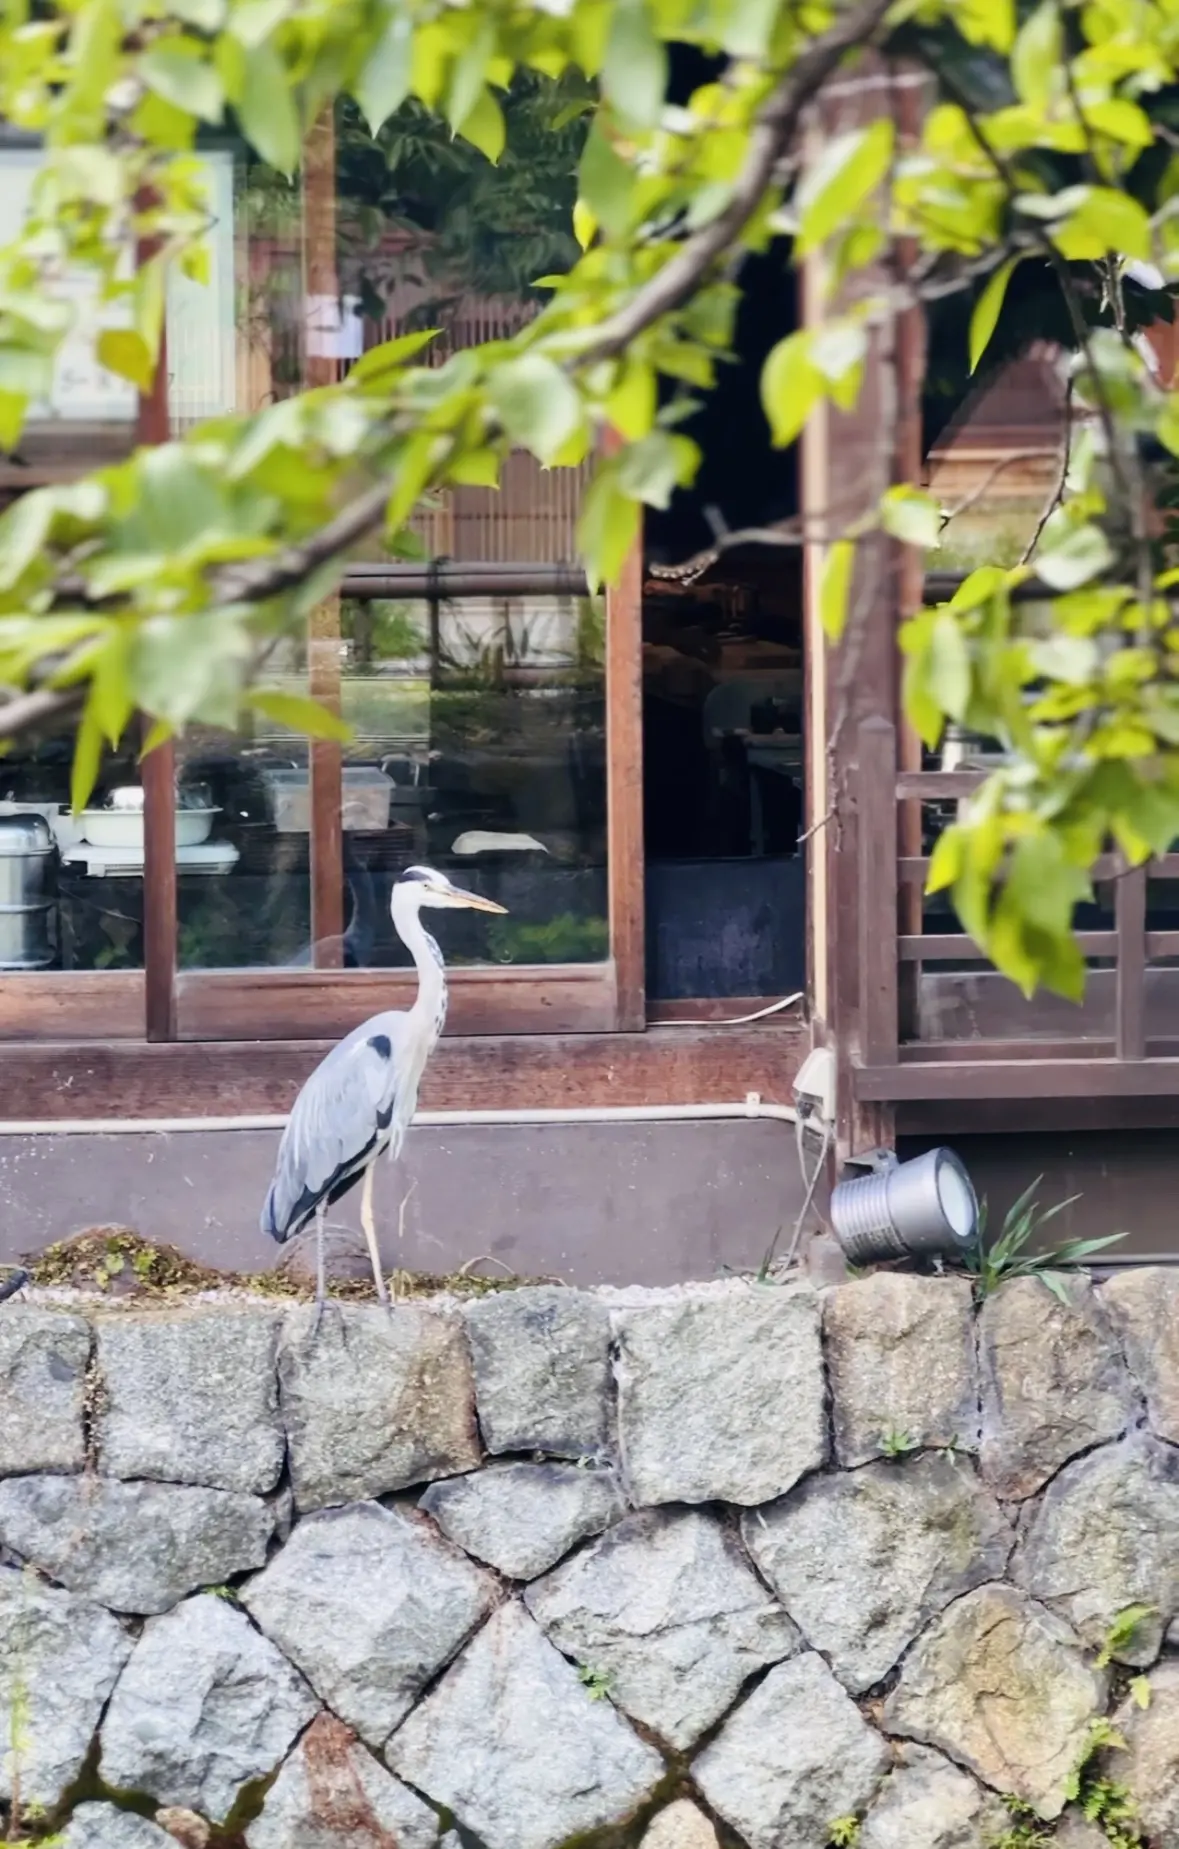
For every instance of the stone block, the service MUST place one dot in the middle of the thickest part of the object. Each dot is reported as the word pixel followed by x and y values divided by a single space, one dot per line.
pixel 1053 1382
pixel 666 1609
pixel 927 1803
pixel 137 1547
pixel 680 1826
pixel 863 1561
pixel 43 1360
pixel 518 1749
pixel 332 1794
pixel 1150 1766
pixel 1142 1303
pixel 542 1370
pixel 721 1396
pixel 369 1603
pixel 376 1402
pixel 102 1826
pixel 60 1657
pixel 900 1351
pixel 794 1757
pixel 204 1709
pixel 522 1518
pixel 1105 1536
pixel 191 1396
pixel 1002 1686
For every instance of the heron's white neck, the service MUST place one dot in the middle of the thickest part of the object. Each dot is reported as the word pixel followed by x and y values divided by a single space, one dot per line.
pixel 430 1005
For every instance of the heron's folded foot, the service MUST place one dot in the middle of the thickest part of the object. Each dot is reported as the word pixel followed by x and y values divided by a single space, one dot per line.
pixel 316 1319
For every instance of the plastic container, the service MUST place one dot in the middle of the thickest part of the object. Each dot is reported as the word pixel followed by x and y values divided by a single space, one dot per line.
pixel 367 795
pixel 124 827
pixel 26 845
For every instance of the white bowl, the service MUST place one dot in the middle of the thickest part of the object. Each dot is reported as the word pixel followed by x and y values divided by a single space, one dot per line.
pixel 124 827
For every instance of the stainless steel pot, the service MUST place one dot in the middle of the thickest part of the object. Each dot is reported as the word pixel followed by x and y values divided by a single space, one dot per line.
pixel 26 900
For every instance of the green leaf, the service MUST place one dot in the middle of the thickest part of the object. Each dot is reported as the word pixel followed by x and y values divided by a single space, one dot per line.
pixel 266 108
pixel 87 758
pixel 390 356
pixel 606 182
pixel 177 70
pixel 479 468
pixel 1082 553
pixel 608 528
pixel 633 402
pixel 121 350
pixel 484 127
pixel 985 316
pixel 634 69
pixel 1105 221
pixel 791 386
pixel 415 467
pixel 467 79
pixel 653 468
pixel 948 667
pixel 848 170
pixel 1167 427
pixel 298 713
pixel 835 587
pixel 1037 56
pixel 911 515
pixel 383 84
pixel 13 406
pixel 947 860
pixel 536 404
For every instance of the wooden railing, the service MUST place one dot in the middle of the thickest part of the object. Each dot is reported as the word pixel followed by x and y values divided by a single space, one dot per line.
pixel 1046 1051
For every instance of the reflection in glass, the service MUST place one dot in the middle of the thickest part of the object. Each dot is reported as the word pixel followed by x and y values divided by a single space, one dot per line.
pixel 479 747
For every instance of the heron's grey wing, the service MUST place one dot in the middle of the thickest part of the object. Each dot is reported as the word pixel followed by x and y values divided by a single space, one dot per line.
pixel 342 1112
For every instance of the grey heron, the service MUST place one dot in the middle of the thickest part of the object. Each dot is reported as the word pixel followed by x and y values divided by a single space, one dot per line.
pixel 359 1100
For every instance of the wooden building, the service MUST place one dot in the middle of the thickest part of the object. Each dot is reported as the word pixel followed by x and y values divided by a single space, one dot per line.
pixel 695 810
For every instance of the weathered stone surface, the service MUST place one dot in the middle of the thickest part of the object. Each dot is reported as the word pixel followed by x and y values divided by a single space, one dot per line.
pixel 901 1356
pixel 184 1826
pixel 1150 1767
pixel 137 1547
pixel 793 1758
pixel 204 1707
pixel 665 1606
pixel 332 1794
pixel 927 1801
pixel 59 1659
pixel 666 1610
pixel 680 1826
pixel 376 1402
pixel 101 1826
pixel 1143 1306
pixel 191 1397
pixel 43 1358
pixel 522 1518
pixel 1000 1684
pixel 517 1748
pixel 721 1397
pixel 1072 1832
pixel 864 1561
pixel 1105 1535
pixel 542 1370
pixel 369 1603
pixel 1053 1382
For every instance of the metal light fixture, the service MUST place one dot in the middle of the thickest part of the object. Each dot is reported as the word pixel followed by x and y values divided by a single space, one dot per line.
pixel 926 1208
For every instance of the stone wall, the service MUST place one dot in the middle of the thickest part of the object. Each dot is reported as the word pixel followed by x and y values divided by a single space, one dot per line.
pixel 730 1565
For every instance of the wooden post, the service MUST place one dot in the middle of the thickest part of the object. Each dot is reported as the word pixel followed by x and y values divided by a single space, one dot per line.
pixel 158 776
pixel 876 805
pixel 1130 1004
pixel 625 870
pixel 325 845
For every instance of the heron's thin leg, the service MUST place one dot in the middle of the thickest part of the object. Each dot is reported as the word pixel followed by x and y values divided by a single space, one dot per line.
pixel 370 1232
pixel 320 1271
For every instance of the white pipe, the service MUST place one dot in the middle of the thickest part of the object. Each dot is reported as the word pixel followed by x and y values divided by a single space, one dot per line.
pixel 754 1106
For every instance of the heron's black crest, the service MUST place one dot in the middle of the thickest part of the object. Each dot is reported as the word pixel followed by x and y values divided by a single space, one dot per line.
pixel 411 874
pixel 382 1046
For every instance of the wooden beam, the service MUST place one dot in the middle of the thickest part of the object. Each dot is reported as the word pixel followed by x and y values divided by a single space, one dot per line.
pixel 877 860
pixel 668 1065
pixel 1130 937
pixel 966 1080
pixel 158 776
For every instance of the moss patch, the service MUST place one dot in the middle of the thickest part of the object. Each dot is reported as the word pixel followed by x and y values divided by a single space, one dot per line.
pixel 118 1263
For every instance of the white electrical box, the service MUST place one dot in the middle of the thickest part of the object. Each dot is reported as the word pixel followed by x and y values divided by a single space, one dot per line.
pixel 814 1087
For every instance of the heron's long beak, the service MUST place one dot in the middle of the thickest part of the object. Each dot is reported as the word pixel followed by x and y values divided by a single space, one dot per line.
pixel 477 902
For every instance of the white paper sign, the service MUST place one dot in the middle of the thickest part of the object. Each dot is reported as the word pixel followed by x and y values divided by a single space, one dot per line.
pixel 199 320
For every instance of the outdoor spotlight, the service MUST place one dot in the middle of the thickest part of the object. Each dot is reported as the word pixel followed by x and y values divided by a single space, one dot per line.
pixel 925 1208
